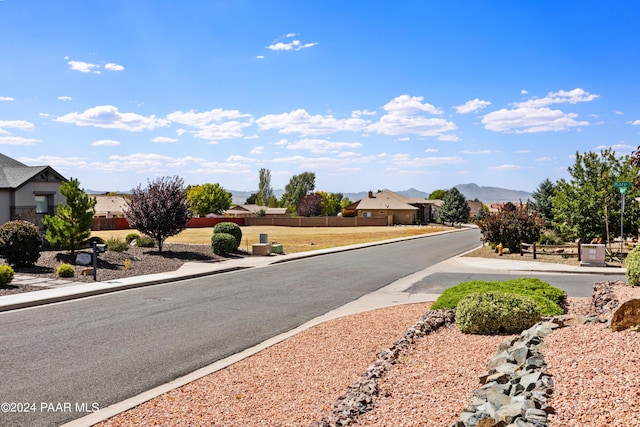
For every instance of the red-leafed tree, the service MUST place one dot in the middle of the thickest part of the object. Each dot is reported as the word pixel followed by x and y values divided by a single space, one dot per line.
pixel 310 205
pixel 160 210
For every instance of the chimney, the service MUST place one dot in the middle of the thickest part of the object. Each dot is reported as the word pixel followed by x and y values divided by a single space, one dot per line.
pixel 370 194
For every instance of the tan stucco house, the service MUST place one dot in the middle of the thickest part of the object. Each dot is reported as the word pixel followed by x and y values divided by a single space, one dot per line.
pixel 28 192
pixel 396 207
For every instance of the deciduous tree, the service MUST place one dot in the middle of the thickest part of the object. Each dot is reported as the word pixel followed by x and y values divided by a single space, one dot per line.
pixel 265 191
pixel 70 227
pixel 310 205
pixel 298 187
pixel 208 198
pixel 159 210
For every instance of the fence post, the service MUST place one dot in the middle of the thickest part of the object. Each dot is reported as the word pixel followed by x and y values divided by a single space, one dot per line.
pixel 521 253
pixel 534 251
pixel 579 252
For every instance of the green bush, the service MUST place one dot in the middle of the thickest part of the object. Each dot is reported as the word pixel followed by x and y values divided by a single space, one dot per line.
pixel 6 275
pixel 511 225
pixel 229 228
pixel 20 243
pixel 65 270
pixel 223 243
pixel 549 237
pixel 145 242
pixel 633 267
pixel 496 312
pixel 131 237
pixel 117 245
pixel 550 300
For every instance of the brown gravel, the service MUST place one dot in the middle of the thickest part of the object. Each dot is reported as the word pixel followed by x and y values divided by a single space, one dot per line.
pixel 295 383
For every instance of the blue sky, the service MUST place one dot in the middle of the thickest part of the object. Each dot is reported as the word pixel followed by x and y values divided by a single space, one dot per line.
pixel 366 94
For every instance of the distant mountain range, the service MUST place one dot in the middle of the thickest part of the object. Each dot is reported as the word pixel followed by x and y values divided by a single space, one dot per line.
pixel 486 195
pixel 470 191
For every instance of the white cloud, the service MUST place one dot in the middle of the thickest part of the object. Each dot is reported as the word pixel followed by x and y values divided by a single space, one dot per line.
pixel 226 130
pixel 64 98
pixel 431 150
pixel 405 116
pixel 449 138
pixel 163 139
pixel 293 45
pixel 300 121
pixel 16 140
pixel 108 117
pixel 524 91
pixel 405 105
pixel 6 98
pixel 318 146
pixel 105 143
pixel 358 113
pixel 561 97
pixel 84 67
pixel 471 106
pixel 201 120
pixel 636 122
pixel 15 124
pixel 257 150
pixel 505 167
pixel 406 161
pixel 530 120
pixel 477 152
pixel 260 56
pixel 113 67
pixel 533 116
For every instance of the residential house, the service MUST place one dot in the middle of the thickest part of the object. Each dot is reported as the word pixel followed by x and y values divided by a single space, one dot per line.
pixel 28 192
pixel 397 208
pixel 243 211
pixel 110 206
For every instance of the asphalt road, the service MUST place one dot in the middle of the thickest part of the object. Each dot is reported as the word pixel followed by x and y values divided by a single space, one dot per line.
pixel 63 360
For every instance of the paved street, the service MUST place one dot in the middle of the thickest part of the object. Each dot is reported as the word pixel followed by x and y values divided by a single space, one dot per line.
pixel 68 358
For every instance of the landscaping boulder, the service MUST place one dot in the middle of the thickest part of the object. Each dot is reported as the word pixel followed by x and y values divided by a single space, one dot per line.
pixel 626 316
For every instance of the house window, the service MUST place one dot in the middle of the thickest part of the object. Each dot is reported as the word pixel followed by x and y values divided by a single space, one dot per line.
pixel 366 214
pixel 42 204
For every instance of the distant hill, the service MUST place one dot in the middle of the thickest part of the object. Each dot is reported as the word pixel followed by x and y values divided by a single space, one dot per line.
pixel 492 194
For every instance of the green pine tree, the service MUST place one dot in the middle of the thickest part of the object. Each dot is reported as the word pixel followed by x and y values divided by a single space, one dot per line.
pixel 70 227
pixel 455 208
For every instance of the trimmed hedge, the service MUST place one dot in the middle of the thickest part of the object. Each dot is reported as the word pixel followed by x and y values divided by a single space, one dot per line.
pixel 65 270
pixel 550 300
pixel 230 228
pixel 496 312
pixel 223 243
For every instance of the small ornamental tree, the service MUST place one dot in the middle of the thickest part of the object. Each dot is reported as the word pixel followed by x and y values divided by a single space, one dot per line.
pixel 160 210
pixel 310 205
pixel 511 225
pixel 455 208
pixel 70 227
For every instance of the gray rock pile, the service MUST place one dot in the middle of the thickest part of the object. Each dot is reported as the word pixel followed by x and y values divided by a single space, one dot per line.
pixel 515 389
pixel 362 394
pixel 603 299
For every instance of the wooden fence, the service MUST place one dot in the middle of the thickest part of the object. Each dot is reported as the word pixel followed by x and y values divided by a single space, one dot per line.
pixel 536 249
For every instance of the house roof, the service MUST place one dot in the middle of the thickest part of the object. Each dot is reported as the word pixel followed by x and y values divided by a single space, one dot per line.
pixel 387 200
pixel 245 209
pixel 112 204
pixel 276 211
pixel 14 174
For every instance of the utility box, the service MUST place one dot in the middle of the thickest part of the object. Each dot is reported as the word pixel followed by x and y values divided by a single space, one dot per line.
pixel 592 255
pixel 276 248
pixel 261 249
pixel 264 238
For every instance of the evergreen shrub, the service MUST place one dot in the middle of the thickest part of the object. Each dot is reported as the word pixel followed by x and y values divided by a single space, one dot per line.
pixel 496 312
pixel 223 243
pixel 229 228
pixel 20 243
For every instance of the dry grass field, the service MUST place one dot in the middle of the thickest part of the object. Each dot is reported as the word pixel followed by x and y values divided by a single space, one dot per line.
pixel 294 239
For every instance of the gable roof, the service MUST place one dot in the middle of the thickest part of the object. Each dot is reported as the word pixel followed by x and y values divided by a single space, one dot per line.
pixel 14 174
pixel 113 204
pixel 387 200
